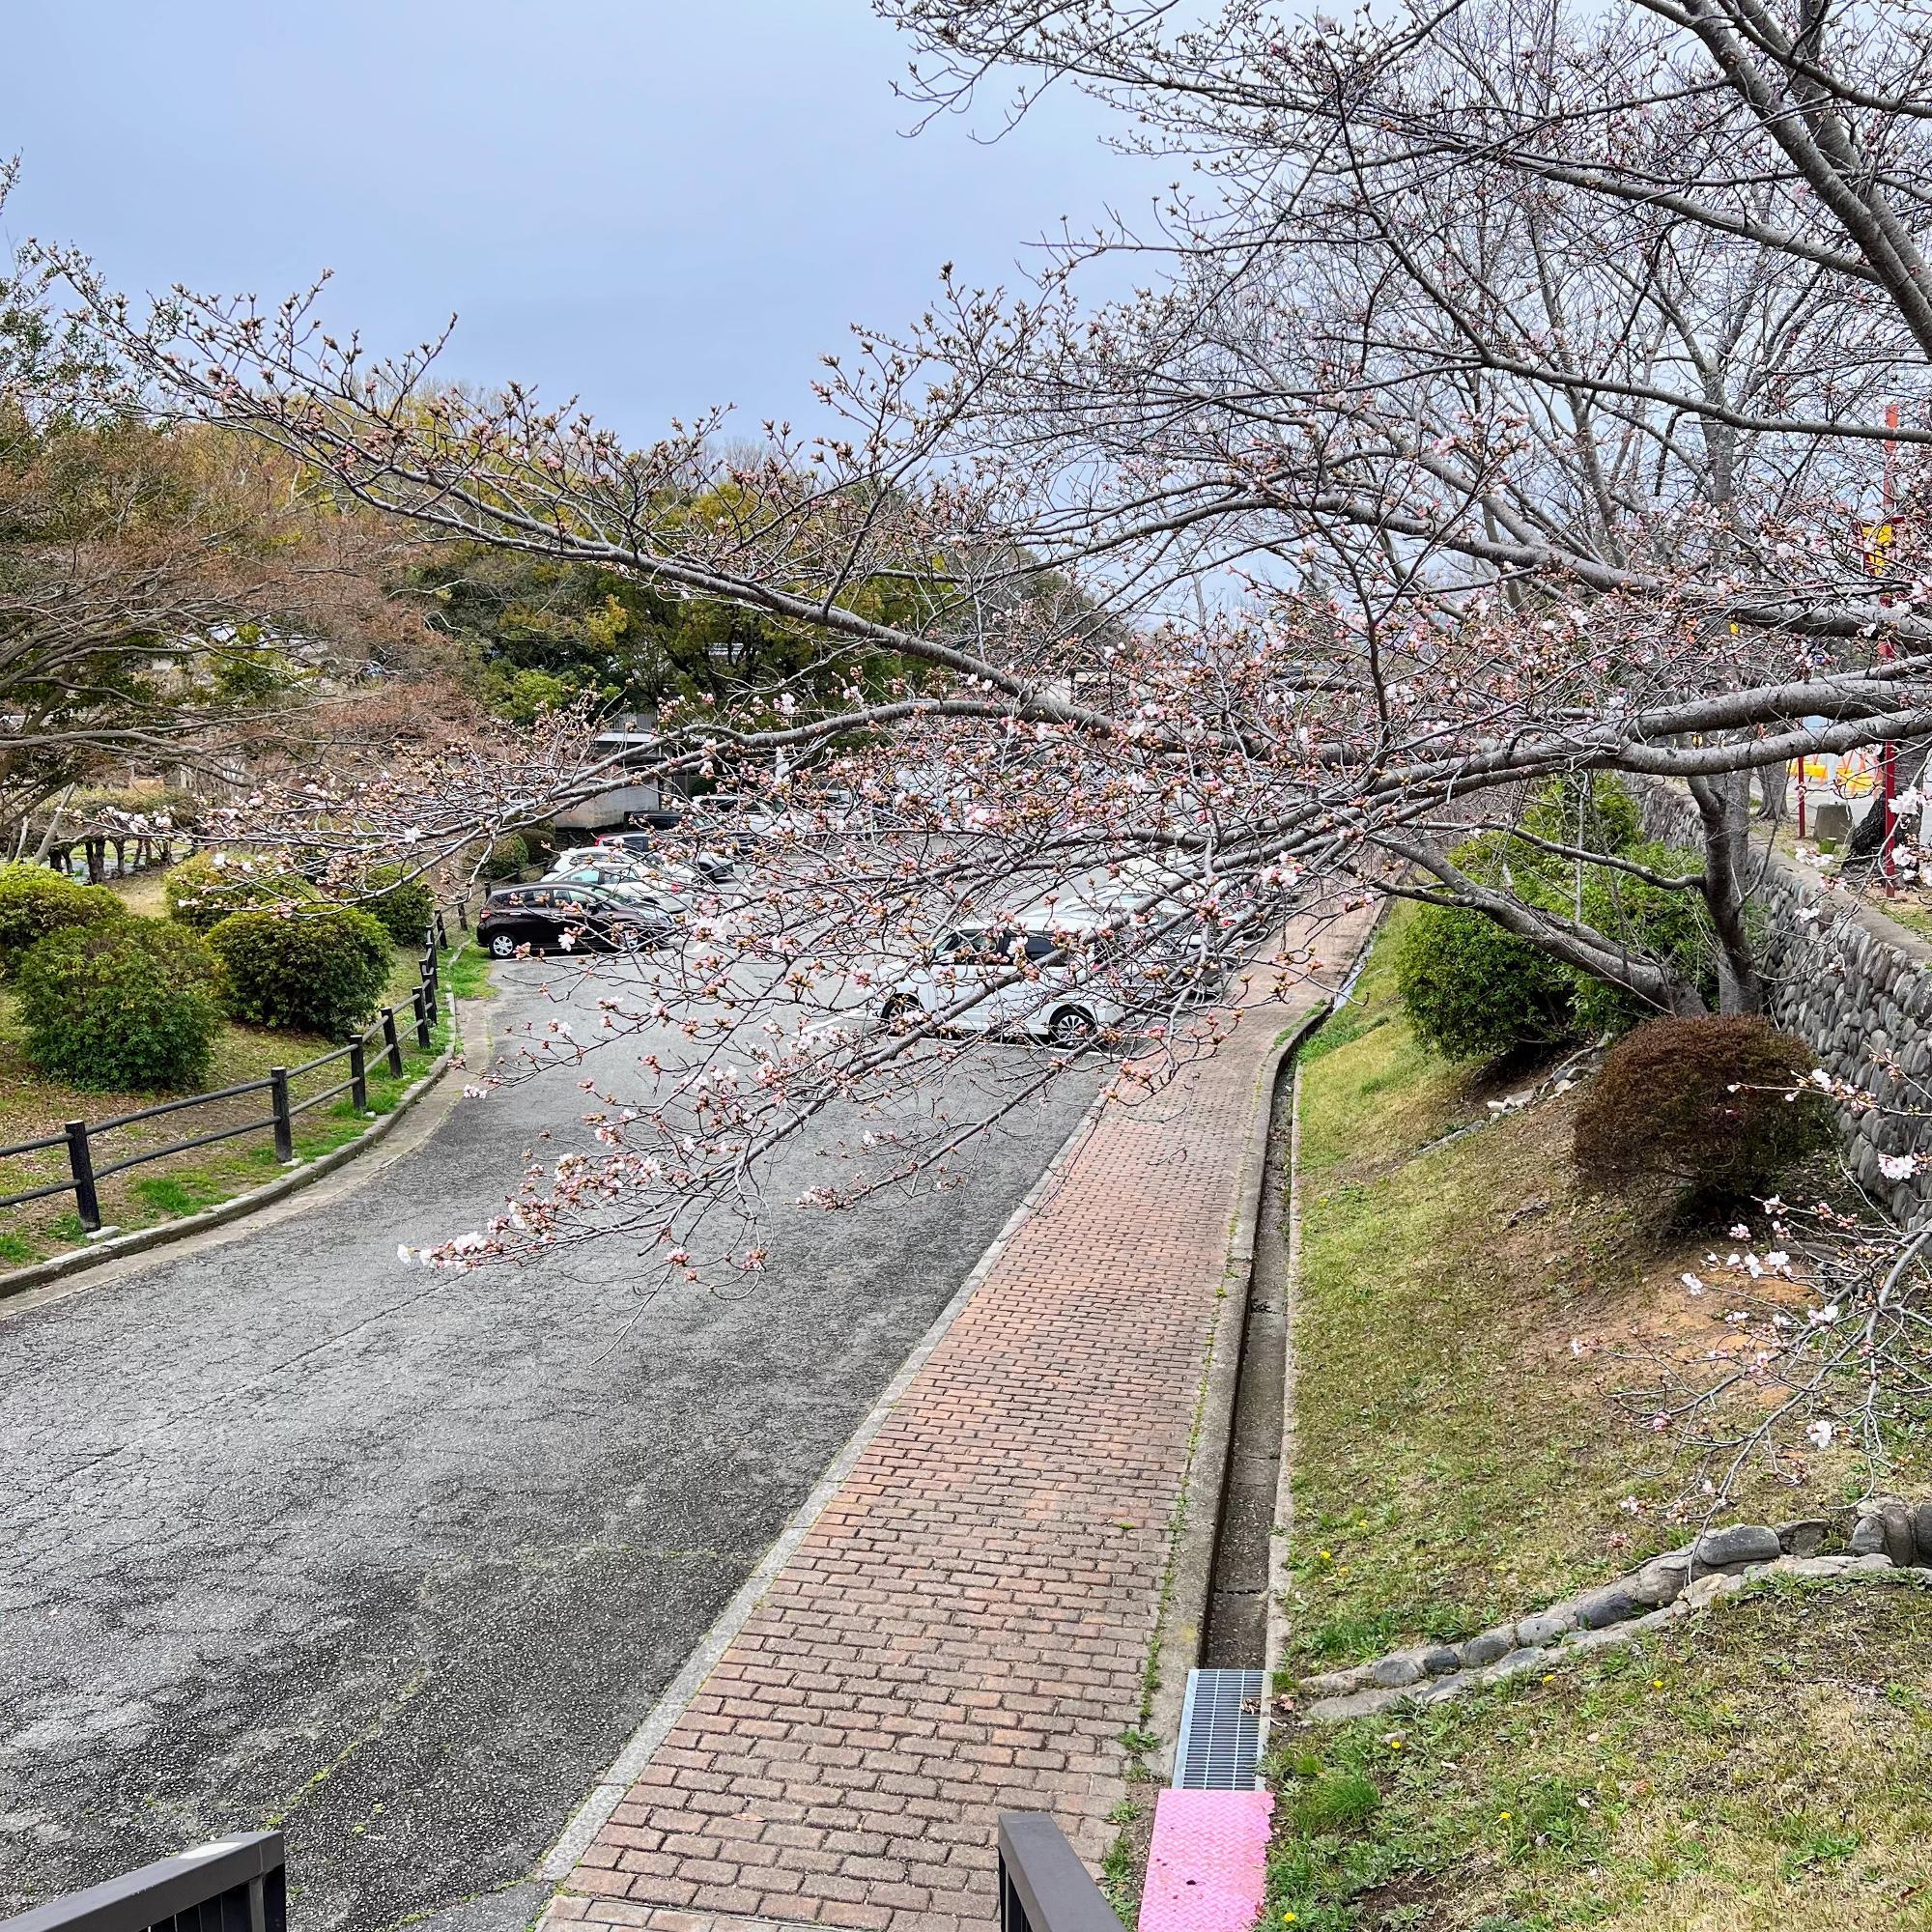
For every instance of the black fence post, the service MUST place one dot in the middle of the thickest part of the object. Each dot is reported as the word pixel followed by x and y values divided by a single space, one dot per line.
pixel 285 1124
pixel 80 1158
pixel 358 1077
pixel 422 1005
pixel 442 928
pixel 391 1042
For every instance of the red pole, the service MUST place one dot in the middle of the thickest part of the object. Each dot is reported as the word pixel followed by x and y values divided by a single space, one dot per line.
pixel 1889 753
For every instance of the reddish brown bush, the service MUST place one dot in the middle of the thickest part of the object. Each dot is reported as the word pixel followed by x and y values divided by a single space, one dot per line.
pixel 1703 1102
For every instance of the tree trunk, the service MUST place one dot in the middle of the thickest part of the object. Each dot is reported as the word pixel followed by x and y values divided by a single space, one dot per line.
pixel 1724 804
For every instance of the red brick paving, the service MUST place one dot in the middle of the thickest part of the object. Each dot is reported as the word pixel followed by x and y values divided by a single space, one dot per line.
pixel 965 1627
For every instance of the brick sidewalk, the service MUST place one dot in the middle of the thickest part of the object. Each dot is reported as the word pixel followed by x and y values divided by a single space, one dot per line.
pixel 966 1626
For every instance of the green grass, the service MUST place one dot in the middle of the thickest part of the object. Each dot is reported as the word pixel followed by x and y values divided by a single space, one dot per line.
pixel 1767 1764
pixel 1458 1462
pixel 467 970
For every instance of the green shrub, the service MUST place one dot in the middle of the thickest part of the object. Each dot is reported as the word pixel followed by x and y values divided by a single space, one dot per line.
pixel 1473 991
pixel 1446 997
pixel 1701 1101
pixel 133 1003
pixel 315 971
pixel 403 907
pixel 1672 927
pixel 506 859
pixel 1587 810
pixel 204 890
pixel 36 901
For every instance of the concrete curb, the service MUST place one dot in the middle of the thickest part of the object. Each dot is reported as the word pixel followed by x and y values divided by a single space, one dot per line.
pixel 591 1816
pixel 1184 1615
pixel 19 1280
pixel 1279 1547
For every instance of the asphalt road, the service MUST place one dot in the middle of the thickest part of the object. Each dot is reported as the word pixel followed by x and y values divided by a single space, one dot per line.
pixel 397 1561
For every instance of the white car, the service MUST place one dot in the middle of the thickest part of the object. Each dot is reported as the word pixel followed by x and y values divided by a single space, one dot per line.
pixel 605 865
pixel 1062 1002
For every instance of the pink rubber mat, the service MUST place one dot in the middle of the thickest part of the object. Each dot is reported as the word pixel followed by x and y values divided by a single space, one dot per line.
pixel 1206 1868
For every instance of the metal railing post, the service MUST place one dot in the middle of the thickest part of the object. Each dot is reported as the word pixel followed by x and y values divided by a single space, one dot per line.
pixel 285 1124
pixel 1043 1884
pixel 393 1045
pixel 442 928
pixel 80 1158
pixel 358 1077
pixel 421 998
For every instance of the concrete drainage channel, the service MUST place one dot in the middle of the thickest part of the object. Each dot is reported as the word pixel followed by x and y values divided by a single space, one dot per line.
pixel 1236 1633
pixel 1207 1865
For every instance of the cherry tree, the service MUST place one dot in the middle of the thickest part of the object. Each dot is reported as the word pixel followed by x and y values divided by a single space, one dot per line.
pixel 1510 395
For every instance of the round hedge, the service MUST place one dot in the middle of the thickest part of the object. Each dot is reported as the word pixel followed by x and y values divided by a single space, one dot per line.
pixel 1701 1101
pixel 201 893
pixel 314 972
pixel 403 906
pixel 129 1003
pixel 506 859
pixel 36 901
pixel 1473 991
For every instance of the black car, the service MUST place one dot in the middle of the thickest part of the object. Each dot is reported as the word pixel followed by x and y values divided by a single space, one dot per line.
pixel 713 866
pixel 572 918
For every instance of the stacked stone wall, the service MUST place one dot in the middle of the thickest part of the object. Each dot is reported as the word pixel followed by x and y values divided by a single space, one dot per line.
pixel 1855 986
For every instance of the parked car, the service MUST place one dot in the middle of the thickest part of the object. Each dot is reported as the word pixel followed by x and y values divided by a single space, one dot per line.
pixel 1064 1005
pixel 609 917
pixel 614 868
pixel 656 820
pixel 651 846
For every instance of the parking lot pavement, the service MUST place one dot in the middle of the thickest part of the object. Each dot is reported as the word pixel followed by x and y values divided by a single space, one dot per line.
pixel 397 1560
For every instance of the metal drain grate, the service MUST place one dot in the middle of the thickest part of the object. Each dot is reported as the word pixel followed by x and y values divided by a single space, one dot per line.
pixel 1221 1731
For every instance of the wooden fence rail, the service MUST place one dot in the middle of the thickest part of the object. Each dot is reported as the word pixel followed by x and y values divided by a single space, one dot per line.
pixel 83 1177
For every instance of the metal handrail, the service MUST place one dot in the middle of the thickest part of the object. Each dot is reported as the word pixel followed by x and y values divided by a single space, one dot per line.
pixel 237 1885
pixel 1043 1887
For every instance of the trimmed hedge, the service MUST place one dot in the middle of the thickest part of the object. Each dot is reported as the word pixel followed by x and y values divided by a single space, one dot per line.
pixel 201 893
pixel 128 1004
pixel 313 972
pixel 1701 1101
pixel 36 901
pixel 1473 991
pixel 506 859
pixel 403 907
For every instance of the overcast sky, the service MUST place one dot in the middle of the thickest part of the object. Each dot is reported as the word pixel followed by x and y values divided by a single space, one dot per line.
pixel 655 205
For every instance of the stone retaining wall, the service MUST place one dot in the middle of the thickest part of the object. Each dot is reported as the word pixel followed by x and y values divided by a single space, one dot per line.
pixel 1854 986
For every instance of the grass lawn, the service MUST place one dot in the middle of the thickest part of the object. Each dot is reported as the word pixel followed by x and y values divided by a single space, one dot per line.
pixel 1468 1318
pixel 1767 1764
pixel 177 1185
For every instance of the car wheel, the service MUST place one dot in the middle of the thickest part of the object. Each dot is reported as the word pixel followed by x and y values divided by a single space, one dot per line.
pixel 1072 1028
pixel 897 1007
pixel 503 946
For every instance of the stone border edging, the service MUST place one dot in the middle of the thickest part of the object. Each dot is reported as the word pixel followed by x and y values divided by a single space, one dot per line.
pixel 118 1247
pixel 1184 1612
pixel 1888 1535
